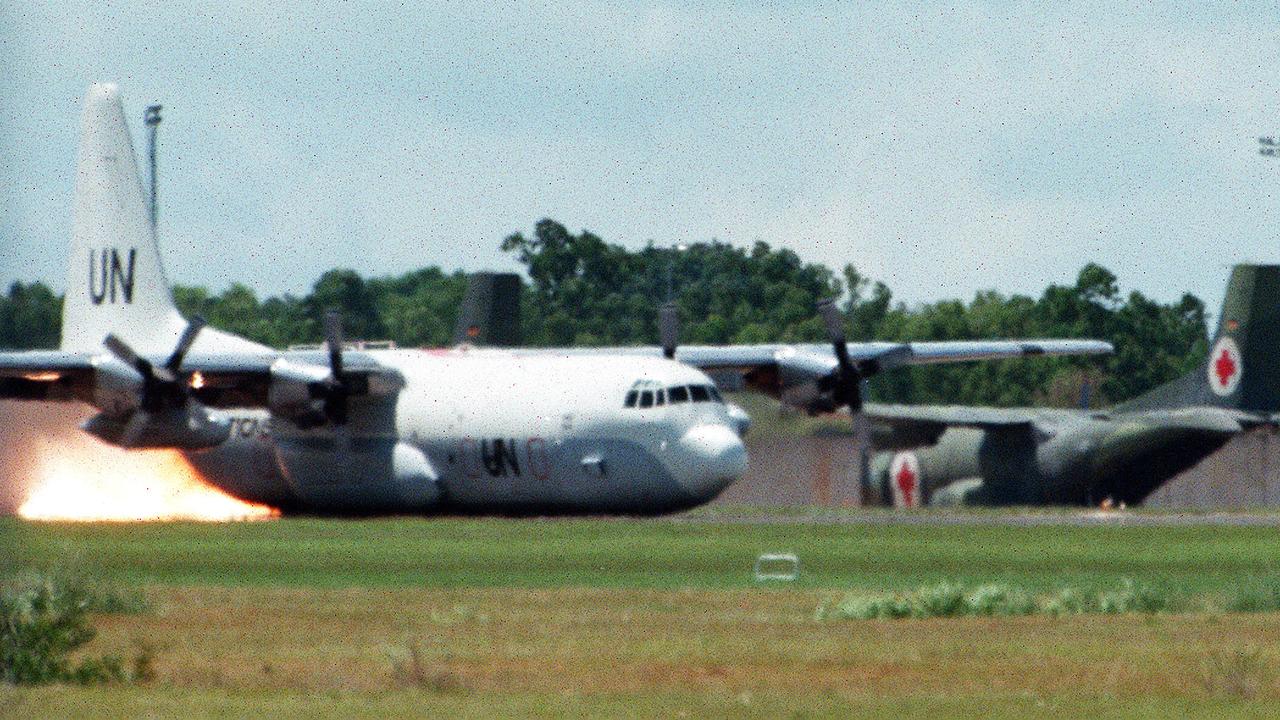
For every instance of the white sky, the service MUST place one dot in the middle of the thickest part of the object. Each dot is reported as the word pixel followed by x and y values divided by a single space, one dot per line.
pixel 940 150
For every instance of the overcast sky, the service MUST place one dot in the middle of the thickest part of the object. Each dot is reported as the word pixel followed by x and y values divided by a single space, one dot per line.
pixel 943 151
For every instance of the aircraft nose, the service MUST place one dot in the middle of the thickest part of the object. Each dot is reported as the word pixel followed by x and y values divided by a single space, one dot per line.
pixel 712 457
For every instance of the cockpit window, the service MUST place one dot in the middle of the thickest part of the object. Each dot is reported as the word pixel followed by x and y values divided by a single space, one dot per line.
pixel 648 394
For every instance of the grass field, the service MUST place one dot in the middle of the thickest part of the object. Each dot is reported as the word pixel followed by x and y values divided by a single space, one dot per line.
pixel 657 618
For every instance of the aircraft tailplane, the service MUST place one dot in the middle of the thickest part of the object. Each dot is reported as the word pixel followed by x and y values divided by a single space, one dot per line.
pixel 115 281
pixel 1240 372
pixel 490 312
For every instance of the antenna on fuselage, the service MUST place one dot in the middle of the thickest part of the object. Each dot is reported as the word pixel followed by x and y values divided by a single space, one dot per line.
pixel 152 120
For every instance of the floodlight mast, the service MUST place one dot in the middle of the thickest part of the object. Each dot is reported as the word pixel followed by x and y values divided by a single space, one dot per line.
pixel 152 120
pixel 671 269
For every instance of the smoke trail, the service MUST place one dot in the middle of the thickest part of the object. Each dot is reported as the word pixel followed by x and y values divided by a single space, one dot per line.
pixel 50 470
pixel 23 426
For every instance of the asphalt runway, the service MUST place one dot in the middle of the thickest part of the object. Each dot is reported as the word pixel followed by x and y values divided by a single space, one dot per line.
pixel 1028 517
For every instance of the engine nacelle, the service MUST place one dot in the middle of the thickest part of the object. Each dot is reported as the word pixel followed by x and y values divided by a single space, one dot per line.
pixel 803 382
pixel 116 388
pixel 191 427
pixel 291 396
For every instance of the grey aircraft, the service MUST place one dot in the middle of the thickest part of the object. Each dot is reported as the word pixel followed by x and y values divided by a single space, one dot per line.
pixel 1032 456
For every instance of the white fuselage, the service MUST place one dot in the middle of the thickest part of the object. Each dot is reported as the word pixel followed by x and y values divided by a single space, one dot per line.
pixel 497 431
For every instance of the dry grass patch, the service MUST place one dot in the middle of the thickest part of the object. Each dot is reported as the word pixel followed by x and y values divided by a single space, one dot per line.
pixel 644 641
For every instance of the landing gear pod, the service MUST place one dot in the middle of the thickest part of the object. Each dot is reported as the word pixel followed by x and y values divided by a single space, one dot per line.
pixel 342 473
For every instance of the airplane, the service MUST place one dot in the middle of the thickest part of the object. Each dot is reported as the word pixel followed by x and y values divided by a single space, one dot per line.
pixel 1042 456
pixel 353 429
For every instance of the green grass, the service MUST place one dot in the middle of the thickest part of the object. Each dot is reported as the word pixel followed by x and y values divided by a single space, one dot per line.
pixel 659 618
pixel 664 554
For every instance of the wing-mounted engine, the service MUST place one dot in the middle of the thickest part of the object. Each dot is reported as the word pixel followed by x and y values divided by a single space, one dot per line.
pixel 308 394
pixel 149 406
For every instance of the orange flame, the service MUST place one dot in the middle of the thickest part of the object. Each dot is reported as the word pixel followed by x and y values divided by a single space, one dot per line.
pixel 75 477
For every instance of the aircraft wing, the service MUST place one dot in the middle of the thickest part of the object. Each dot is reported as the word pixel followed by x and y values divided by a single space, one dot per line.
pixel 794 372
pixel 887 353
pixel 216 380
pixel 950 415
pixel 900 427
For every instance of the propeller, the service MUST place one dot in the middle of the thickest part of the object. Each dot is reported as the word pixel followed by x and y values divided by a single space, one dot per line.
pixel 668 329
pixel 337 386
pixel 846 390
pixel 163 387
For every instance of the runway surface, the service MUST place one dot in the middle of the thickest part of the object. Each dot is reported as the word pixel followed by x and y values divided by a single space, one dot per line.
pixel 1025 517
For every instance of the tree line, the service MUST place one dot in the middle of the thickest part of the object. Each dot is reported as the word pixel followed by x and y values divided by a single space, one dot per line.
pixel 582 290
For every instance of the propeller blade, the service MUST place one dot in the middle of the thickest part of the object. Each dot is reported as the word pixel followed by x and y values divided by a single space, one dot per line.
pixel 128 356
pixel 669 329
pixel 834 321
pixel 848 385
pixel 335 401
pixel 333 338
pixel 847 390
pixel 184 344
pixel 832 318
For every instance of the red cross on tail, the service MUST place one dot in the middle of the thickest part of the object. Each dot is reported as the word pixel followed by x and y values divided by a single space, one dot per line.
pixel 1225 370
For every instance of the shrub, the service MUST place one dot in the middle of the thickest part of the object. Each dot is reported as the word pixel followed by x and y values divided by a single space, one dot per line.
pixel 952 600
pixel 39 627
pixel 98 596
pixel 944 600
pixel 1070 601
pixel 1000 600
pixel 1256 599
pixel 1132 598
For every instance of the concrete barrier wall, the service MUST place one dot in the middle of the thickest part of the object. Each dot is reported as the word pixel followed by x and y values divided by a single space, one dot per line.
pixel 797 471
pixel 1244 473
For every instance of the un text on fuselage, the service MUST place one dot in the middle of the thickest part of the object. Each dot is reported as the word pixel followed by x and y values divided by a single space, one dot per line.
pixel 504 457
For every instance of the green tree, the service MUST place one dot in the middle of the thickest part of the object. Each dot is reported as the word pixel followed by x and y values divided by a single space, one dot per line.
pixel 30 317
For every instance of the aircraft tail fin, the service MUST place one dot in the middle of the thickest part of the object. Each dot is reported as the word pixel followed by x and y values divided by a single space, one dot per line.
pixel 115 281
pixel 490 312
pixel 1241 372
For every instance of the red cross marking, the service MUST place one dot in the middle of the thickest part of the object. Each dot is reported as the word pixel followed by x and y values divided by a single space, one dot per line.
pixel 906 484
pixel 1225 367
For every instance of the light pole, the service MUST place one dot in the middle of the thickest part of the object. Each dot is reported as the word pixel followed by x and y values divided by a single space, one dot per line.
pixel 152 121
pixel 671 269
